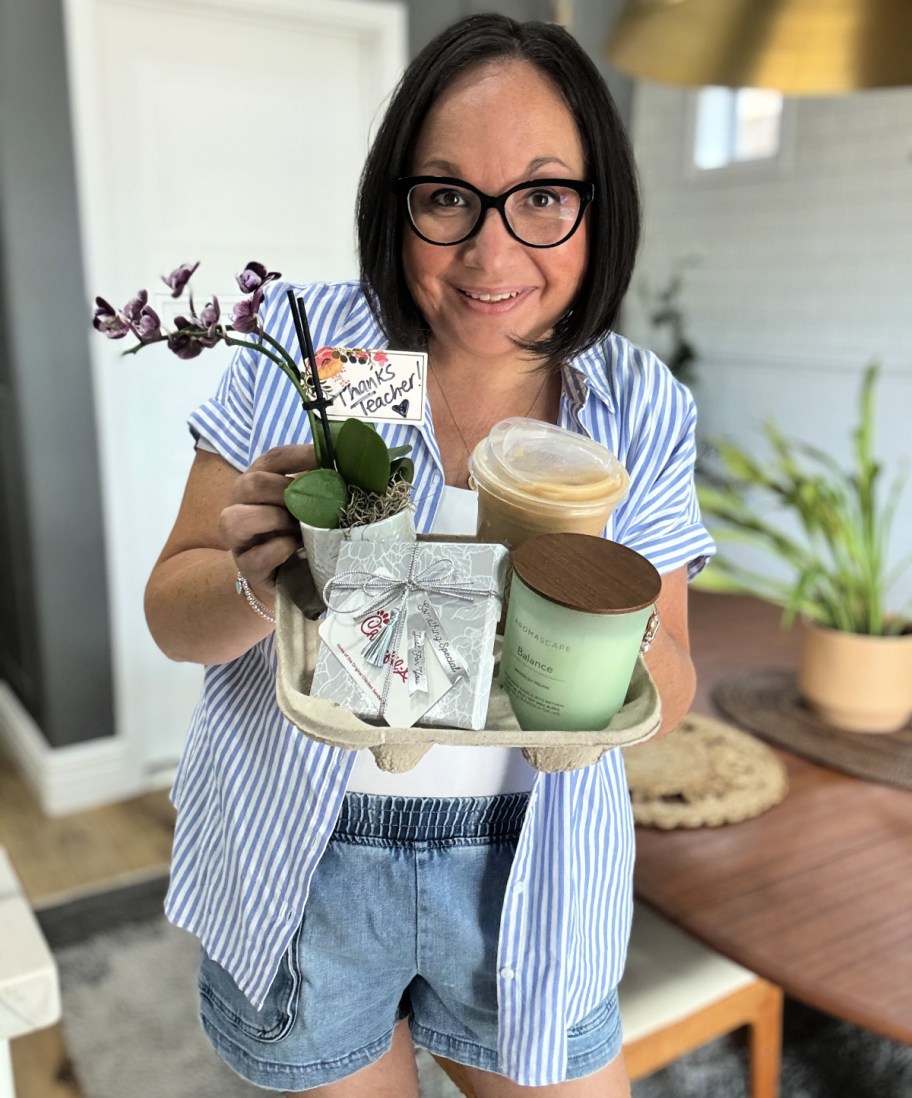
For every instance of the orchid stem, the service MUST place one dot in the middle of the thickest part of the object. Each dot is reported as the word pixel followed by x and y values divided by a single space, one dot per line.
pixel 281 359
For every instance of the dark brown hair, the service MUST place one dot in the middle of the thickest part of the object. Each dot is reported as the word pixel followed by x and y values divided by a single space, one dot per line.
pixel 614 216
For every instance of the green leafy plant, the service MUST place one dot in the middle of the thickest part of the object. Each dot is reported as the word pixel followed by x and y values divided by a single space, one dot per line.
pixel 839 573
pixel 363 480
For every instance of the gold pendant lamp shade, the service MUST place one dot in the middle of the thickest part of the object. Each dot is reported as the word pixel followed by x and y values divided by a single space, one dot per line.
pixel 799 47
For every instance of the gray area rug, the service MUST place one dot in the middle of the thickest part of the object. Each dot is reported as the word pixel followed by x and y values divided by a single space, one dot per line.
pixel 130 1023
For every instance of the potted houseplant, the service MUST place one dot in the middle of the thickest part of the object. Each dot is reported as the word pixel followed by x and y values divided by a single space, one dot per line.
pixel 359 491
pixel 855 657
pixel 360 488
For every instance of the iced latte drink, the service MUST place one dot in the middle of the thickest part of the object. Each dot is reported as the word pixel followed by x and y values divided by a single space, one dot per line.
pixel 536 478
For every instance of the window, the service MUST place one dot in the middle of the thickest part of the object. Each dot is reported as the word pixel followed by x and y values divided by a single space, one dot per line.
pixel 734 126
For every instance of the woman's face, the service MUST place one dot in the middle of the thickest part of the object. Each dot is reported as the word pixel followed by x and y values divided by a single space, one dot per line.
pixel 498 125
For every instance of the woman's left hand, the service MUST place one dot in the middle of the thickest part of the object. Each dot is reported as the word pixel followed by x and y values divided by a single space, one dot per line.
pixel 256 525
pixel 228 522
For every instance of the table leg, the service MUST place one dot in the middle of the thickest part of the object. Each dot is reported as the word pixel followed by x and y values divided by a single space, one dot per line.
pixel 766 1043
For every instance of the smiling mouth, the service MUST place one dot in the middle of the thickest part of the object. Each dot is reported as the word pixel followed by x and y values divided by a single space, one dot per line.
pixel 494 298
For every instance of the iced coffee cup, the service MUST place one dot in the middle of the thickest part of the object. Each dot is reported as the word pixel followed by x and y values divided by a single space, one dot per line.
pixel 535 478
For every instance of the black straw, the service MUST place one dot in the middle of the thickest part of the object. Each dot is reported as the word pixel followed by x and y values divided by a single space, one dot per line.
pixel 302 328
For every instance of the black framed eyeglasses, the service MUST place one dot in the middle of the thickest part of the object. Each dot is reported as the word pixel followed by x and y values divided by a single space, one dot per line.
pixel 540 213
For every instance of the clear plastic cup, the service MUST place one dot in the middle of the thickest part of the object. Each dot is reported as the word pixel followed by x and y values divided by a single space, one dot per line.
pixel 536 478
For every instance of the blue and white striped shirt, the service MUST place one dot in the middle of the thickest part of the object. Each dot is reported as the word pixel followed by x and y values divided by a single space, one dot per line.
pixel 257 800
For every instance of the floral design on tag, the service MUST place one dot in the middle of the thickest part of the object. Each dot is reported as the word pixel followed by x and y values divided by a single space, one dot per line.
pixel 376 385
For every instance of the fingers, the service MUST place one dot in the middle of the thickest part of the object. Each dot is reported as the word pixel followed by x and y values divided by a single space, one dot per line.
pixel 268 476
pixel 243 525
pixel 257 487
pixel 260 539
pixel 259 563
pixel 256 526
pixel 285 460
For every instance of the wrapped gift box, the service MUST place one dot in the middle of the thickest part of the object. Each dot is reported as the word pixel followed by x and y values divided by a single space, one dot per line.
pixel 408 636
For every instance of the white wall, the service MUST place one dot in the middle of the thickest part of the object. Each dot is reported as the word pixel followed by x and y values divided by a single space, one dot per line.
pixel 271 175
pixel 800 277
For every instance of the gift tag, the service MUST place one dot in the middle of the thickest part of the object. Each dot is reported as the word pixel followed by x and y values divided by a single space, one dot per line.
pixel 379 386
pixel 417 678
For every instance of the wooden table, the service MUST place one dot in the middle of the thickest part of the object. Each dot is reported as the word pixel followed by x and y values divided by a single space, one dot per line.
pixel 814 895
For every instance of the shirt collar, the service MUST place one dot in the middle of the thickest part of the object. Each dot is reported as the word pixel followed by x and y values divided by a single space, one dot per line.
pixel 361 329
pixel 587 374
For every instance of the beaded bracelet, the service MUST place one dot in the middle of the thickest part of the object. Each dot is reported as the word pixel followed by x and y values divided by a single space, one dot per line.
pixel 243 588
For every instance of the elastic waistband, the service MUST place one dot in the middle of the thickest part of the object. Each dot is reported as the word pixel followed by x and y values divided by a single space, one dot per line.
pixel 367 816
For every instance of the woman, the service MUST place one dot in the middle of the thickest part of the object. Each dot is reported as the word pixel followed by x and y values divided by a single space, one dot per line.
pixel 473 907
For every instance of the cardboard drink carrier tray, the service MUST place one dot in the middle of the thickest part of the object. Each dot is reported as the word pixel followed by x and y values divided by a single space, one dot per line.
pixel 298 608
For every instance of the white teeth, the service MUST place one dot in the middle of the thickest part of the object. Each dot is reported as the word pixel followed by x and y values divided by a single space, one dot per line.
pixel 490 297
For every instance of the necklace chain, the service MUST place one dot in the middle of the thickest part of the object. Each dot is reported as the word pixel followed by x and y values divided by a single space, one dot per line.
pixel 462 437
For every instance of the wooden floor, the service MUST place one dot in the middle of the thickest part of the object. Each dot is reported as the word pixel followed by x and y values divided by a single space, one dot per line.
pixel 88 850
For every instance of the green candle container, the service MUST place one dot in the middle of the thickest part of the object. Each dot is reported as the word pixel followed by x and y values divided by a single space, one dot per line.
pixel 578 609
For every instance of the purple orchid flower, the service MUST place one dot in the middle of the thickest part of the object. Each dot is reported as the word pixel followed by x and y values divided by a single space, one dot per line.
pixel 182 342
pixel 148 326
pixel 244 314
pixel 208 319
pixel 254 275
pixel 134 307
pixel 209 314
pixel 107 320
pixel 179 278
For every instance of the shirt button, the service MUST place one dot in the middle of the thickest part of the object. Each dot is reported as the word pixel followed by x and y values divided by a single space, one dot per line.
pixel 507 973
pixel 520 888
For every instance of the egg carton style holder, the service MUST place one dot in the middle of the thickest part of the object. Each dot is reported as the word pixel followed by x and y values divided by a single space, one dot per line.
pixel 298 607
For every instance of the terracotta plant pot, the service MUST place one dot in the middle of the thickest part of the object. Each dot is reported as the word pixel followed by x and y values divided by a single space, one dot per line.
pixel 854 682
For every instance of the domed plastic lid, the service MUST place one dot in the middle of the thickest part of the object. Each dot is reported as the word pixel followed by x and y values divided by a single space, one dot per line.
pixel 528 460
pixel 587 573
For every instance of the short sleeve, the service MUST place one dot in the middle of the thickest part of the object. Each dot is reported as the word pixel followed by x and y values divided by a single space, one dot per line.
pixel 225 421
pixel 660 518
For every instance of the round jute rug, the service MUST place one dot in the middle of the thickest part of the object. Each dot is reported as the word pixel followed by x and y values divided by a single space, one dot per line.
pixel 767 702
pixel 704 774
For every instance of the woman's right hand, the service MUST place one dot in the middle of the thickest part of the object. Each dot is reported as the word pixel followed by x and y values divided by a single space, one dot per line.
pixel 256 526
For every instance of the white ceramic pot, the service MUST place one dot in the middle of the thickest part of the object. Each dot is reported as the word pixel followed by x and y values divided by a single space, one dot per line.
pixel 322 546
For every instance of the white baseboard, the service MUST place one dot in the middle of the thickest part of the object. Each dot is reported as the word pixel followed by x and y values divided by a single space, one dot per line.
pixel 67 779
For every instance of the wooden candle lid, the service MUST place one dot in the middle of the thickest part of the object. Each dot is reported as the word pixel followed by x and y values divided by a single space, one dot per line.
pixel 587 573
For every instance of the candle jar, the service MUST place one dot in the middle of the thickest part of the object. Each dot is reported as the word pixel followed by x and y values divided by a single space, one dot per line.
pixel 578 609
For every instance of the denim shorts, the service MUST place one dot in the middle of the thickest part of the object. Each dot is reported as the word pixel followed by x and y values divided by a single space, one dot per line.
pixel 402 921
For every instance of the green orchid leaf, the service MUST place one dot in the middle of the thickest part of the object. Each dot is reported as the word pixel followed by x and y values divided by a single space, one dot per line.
pixel 362 457
pixel 404 469
pixel 317 497
pixel 399 451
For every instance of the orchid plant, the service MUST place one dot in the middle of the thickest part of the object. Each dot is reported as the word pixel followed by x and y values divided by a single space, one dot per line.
pixel 358 479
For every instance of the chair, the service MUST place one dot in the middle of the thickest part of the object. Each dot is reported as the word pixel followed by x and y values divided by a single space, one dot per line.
pixel 29 990
pixel 677 995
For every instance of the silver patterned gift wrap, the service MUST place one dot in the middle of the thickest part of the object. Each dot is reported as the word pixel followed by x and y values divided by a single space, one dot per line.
pixel 408 636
